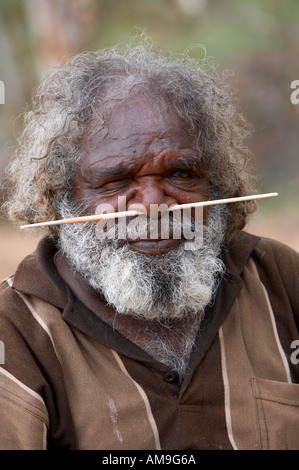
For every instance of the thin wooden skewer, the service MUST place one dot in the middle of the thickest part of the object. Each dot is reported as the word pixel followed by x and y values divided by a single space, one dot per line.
pixel 114 215
pixel 86 218
pixel 221 201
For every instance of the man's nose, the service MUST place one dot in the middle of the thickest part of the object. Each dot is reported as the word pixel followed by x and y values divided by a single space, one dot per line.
pixel 151 197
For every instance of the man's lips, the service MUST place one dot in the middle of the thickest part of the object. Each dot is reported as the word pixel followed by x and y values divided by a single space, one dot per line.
pixel 154 247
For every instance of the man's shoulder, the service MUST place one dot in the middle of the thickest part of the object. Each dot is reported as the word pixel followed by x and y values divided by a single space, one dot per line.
pixel 266 252
pixel 36 276
pixel 14 314
pixel 271 250
pixel 278 268
pixel 10 298
pixel 8 295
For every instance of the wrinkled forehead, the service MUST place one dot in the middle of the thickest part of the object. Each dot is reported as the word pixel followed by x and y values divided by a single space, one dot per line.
pixel 135 110
pixel 140 112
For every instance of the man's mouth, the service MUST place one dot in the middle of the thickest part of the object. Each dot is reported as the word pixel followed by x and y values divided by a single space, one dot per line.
pixel 150 237
pixel 154 247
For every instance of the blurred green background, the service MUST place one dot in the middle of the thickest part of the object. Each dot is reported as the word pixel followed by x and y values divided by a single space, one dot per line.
pixel 257 39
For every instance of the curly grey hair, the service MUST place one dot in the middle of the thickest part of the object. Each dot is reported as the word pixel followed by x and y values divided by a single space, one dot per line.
pixel 73 95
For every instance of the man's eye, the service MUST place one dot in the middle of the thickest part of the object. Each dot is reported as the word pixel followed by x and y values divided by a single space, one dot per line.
pixel 185 179
pixel 182 174
pixel 115 185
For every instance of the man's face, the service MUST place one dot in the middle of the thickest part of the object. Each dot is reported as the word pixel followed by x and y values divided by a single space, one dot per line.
pixel 146 155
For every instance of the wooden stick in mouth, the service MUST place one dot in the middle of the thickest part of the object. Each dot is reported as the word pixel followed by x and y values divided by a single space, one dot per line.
pixel 115 215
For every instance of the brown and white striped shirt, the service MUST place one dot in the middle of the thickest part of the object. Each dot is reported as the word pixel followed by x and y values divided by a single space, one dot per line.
pixel 69 381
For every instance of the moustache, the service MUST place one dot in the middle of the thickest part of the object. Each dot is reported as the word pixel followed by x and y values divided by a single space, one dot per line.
pixel 143 227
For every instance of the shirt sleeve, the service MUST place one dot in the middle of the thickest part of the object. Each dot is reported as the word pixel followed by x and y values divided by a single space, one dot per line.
pixel 24 418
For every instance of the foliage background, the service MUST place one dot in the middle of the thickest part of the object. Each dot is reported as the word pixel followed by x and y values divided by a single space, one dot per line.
pixel 257 39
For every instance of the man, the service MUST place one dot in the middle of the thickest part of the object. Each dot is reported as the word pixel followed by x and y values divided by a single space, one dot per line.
pixel 117 341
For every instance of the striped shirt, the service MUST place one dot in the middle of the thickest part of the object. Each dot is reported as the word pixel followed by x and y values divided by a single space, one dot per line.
pixel 68 380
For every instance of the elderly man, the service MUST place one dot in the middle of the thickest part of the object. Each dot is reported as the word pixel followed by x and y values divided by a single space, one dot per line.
pixel 125 342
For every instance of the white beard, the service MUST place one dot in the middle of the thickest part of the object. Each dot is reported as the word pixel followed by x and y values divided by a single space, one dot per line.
pixel 174 285
pixel 146 286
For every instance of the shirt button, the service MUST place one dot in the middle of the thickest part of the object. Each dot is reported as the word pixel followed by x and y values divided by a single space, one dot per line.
pixel 170 377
